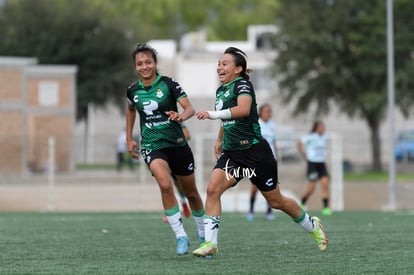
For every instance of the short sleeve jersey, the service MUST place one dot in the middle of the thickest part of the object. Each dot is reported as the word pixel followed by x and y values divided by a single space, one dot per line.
pixel 315 147
pixel 268 131
pixel 240 133
pixel 157 131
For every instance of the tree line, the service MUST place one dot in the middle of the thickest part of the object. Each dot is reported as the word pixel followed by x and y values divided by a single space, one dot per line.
pixel 329 51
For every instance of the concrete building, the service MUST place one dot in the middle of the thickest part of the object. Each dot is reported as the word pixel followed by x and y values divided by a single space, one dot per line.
pixel 194 67
pixel 36 102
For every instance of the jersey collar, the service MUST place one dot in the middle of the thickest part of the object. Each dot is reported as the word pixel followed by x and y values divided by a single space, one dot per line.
pixel 152 84
pixel 231 82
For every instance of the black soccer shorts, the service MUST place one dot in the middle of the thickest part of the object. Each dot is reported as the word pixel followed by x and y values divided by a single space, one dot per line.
pixel 179 159
pixel 256 163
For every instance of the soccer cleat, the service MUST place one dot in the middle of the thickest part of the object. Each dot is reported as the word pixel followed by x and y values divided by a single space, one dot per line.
pixel 250 217
pixel 326 211
pixel 201 240
pixel 270 217
pixel 182 245
pixel 319 235
pixel 186 210
pixel 207 249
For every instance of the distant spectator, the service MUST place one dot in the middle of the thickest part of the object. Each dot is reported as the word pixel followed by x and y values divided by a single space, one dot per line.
pixel 122 154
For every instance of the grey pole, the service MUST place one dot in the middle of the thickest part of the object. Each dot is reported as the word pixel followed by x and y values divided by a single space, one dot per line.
pixel 391 103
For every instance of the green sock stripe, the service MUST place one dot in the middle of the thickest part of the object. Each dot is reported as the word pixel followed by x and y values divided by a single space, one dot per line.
pixel 172 211
pixel 199 213
pixel 301 218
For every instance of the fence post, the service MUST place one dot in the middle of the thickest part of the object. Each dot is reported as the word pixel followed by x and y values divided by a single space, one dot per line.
pixel 51 172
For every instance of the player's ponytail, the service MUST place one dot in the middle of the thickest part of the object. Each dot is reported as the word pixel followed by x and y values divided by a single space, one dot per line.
pixel 240 59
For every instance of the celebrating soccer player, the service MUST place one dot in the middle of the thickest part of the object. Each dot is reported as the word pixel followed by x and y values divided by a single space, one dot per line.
pixel 163 145
pixel 242 151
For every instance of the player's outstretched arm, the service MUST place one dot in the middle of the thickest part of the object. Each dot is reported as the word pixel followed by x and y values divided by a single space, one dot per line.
pixel 130 121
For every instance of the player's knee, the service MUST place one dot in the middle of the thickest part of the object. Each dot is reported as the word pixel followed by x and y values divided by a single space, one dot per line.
pixel 193 198
pixel 212 191
pixel 275 204
pixel 165 186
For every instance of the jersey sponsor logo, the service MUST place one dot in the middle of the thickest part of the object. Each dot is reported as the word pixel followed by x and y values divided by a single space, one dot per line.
pixel 159 93
pixel 244 88
pixel 269 182
pixel 244 142
pixel 178 87
pixel 219 104
pixel 238 172
pixel 228 123
pixel 149 125
pixel 150 107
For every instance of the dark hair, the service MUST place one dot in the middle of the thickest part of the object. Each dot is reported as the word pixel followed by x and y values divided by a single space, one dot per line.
pixel 262 107
pixel 315 125
pixel 143 47
pixel 240 60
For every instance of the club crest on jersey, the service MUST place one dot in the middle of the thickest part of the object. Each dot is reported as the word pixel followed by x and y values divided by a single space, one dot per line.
pixel 159 93
pixel 150 107
pixel 227 93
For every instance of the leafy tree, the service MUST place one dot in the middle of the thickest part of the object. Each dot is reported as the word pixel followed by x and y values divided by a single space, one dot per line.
pixel 169 19
pixel 333 51
pixel 70 32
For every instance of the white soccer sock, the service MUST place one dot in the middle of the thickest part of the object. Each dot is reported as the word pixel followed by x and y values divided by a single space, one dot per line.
pixel 200 225
pixel 305 222
pixel 212 225
pixel 199 220
pixel 177 225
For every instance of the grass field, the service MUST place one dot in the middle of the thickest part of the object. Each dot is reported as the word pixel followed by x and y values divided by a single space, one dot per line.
pixel 140 243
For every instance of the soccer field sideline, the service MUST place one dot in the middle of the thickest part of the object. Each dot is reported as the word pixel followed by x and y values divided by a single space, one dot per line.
pixel 361 242
pixel 131 196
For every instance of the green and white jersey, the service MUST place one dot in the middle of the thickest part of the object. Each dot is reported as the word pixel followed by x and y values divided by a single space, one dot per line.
pixel 157 132
pixel 240 133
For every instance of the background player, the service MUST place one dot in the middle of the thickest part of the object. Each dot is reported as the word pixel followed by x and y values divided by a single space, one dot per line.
pixel 268 131
pixel 312 147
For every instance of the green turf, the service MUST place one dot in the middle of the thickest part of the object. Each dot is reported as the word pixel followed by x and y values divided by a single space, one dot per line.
pixel 140 243
pixel 377 177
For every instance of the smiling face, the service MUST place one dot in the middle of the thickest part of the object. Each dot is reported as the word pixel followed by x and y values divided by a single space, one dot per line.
pixel 227 69
pixel 146 67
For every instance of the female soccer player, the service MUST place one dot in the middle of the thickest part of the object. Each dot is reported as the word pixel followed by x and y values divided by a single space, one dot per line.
pixel 242 152
pixel 312 147
pixel 268 132
pixel 163 145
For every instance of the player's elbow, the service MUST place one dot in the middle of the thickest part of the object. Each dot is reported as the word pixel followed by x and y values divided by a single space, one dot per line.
pixel 240 112
pixel 190 111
